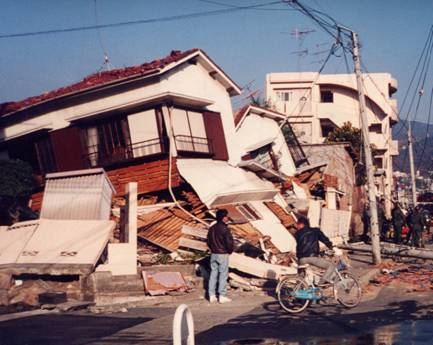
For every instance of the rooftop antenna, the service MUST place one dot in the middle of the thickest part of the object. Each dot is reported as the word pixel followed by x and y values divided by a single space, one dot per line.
pixel 253 95
pixel 106 65
pixel 300 35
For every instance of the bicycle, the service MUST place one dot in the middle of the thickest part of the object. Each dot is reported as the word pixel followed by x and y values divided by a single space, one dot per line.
pixel 295 293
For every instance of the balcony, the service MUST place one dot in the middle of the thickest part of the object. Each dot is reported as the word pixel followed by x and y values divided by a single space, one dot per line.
pixel 101 156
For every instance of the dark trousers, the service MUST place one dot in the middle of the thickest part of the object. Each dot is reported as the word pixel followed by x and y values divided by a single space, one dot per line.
pixel 397 232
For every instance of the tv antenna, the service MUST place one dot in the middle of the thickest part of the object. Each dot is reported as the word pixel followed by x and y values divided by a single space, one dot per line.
pixel 300 35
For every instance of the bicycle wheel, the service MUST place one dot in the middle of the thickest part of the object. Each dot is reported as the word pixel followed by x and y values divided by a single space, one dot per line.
pixel 285 292
pixel 347 290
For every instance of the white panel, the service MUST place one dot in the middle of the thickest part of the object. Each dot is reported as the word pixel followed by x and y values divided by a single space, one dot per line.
pixel 67 242
pixel 197 124
pixel 13 241
pixel 143 127
pixel 271 226
pixel 213 180
pixel 180 122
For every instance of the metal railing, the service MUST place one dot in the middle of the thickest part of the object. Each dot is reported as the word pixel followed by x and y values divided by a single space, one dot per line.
pixel 100 156
pixel 185 143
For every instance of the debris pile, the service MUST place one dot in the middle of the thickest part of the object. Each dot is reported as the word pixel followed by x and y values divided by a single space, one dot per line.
pixel 417 278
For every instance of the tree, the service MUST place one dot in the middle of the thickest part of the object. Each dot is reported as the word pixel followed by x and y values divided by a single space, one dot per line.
pixel 16 185
pixel 352 135
pixel 349 134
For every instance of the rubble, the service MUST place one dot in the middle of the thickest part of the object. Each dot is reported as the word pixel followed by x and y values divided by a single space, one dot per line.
pixel 416 278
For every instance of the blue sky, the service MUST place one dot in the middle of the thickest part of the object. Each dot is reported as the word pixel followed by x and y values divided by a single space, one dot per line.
pixel 246 44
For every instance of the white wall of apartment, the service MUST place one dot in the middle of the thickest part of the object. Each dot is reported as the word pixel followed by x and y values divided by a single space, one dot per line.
pixel 345 107
pixel 256 129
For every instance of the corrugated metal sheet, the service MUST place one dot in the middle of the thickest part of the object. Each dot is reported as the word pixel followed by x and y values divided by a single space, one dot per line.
pixel 81 194
pixel 163 227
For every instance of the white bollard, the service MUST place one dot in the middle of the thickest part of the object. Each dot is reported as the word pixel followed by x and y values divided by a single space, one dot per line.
pixel 183 326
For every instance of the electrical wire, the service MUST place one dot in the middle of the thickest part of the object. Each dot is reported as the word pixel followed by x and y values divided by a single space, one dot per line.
pixel 420 160
pixel 413 78
pixel 141 21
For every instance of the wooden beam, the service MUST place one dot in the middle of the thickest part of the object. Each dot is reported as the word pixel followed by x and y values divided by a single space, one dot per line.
pixel 196 232
pixel 193 244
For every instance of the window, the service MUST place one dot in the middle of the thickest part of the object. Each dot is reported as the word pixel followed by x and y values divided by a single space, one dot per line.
pixel 107 141
pixel 376 128
pixel 189 131
pixel 284 96
pixel 326 96
pixel 295 149
pixel 44 153
pixel 264 157
pixel 146 132
pixel 248 211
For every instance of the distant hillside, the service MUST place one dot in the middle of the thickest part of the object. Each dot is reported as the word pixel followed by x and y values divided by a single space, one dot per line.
pixel 419 129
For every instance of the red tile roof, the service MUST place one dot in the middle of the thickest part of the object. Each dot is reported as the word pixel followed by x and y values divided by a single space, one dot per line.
pixel 96 79
pixel 240 114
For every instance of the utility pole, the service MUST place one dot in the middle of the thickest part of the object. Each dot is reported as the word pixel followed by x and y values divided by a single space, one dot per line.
pixel 412 165
pixel 374 223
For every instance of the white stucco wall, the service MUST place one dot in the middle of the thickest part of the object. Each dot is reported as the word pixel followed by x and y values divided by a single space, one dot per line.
pixel 256 129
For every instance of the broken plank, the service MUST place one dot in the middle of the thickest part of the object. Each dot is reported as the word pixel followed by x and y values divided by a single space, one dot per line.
pixel 193 244
pixel 259 268
pixel 196 232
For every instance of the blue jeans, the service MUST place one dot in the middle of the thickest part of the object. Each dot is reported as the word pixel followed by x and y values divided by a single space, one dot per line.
pixel 219 265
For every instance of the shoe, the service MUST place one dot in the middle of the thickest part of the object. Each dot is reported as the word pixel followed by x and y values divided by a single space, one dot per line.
pixel 224 299
pixel 212 299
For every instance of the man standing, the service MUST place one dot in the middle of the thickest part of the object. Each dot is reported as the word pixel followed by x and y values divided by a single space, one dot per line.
pixel 416 227
pixel 307 248
pixel 397 222
pixel 220 243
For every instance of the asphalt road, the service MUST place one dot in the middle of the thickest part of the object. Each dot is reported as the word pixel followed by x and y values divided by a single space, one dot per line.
pixel 390 316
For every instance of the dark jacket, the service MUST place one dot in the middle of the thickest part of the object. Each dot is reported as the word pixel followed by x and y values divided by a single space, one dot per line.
pixel 220 239
pixel 397 216
pixel 307 242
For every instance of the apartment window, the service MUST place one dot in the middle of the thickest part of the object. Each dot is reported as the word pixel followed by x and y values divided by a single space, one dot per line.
pixel 248 211
pixel 284 96
pixel 189 131
pixel 326 96
pixel 376 128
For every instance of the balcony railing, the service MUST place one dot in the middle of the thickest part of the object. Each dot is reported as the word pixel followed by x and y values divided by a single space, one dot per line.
pixel 185 143
pixel 100 156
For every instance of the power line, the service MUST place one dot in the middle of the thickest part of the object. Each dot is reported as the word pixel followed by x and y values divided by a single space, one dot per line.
pixel 413 78
pixel 420 161
pixel 142 21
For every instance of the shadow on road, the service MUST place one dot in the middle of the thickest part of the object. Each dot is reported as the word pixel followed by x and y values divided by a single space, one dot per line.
pixel 64 329
pixel 269 321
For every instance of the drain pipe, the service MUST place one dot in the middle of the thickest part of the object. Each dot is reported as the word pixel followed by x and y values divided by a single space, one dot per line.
pixel 170 168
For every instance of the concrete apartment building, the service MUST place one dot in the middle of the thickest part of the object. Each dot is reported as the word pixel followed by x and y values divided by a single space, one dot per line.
pixel 316 104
